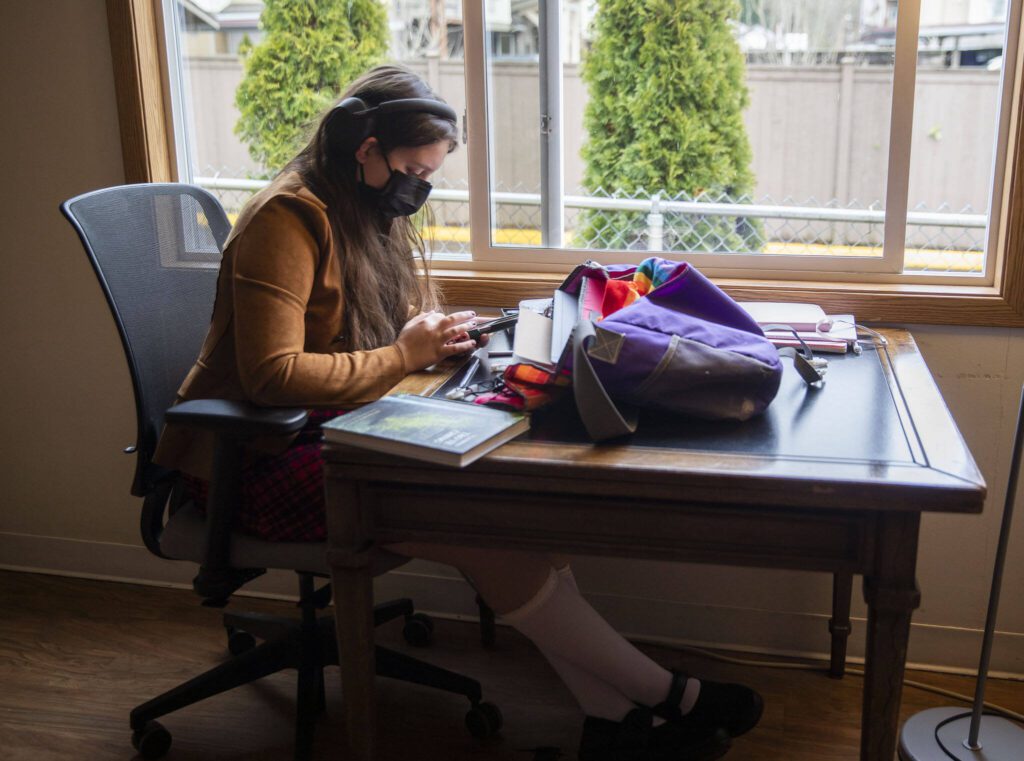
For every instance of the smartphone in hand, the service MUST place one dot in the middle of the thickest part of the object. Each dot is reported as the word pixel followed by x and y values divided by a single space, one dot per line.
pixel 502 323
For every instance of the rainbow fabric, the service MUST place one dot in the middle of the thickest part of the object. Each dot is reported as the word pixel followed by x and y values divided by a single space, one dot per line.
pixel 527 387
pixel 653 272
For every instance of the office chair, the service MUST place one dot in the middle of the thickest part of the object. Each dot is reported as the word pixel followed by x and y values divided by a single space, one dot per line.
pixel 156 250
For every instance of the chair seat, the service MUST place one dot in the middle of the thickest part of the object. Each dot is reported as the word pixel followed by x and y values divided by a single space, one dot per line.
pixel 184 538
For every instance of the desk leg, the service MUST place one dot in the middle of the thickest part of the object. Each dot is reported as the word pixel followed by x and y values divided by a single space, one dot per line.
pixel 892 595
pixel 352 582
pixel 839 624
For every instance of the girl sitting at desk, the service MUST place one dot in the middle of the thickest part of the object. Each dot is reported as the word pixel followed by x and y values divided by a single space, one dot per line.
pixel 319 305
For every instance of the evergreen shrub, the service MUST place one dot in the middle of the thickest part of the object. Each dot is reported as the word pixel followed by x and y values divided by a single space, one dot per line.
pixel 667 92
pixel 311 51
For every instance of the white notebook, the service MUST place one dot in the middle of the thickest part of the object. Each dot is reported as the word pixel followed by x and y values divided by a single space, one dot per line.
pixel 797 316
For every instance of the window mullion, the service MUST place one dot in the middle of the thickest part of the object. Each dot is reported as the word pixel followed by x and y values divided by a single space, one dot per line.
pixel 478 137
pixel 901 124
pixel 176 90
pixel 551 129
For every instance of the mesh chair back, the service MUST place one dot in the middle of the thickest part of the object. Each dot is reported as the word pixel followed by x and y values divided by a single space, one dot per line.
pixel 156 250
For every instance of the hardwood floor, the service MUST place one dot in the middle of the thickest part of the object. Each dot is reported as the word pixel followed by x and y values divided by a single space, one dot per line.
pixel 76 656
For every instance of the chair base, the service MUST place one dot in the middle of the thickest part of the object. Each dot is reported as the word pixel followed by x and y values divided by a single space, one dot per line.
pixel 307 644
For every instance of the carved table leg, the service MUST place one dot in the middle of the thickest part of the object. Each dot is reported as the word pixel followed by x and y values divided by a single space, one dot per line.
pixel 839 624
pixel 352 582
pixel 892 595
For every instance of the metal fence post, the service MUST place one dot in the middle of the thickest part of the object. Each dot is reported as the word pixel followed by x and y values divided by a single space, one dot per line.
pixel 655 225
pixel 434 69
pixel 839 233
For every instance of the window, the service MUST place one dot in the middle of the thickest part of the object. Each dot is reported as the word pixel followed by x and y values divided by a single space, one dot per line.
pixel 860 140
pixel 511 258
pixel 225 144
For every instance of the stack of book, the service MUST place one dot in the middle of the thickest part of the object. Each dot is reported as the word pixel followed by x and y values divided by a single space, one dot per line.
pixel 833 334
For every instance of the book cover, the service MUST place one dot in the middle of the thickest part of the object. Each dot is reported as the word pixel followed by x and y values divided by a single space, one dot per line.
pixel 836 335
pixel 428 428
pixel 813 343
pixel 564 316
pixel 797 316
pixel 533 339
pixel 569 309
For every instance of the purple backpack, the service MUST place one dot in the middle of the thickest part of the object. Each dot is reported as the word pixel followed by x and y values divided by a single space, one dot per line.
pixel 686 347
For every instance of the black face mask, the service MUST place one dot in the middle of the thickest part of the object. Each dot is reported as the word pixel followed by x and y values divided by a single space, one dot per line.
pixel 402 196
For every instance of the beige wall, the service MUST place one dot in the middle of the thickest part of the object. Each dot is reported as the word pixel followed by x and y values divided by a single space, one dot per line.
pixel 64 385
pixel 68 410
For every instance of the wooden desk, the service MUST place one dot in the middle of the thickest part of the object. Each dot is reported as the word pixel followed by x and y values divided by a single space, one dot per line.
pixel 832 479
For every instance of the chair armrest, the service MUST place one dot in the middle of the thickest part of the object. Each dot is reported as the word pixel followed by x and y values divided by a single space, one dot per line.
pixel 237 419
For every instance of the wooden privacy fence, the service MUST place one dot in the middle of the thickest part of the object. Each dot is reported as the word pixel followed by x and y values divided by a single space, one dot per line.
pixel 819 137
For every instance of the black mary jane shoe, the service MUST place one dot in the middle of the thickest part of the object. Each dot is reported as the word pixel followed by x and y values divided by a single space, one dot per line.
pixel 635 738
pixel 733 707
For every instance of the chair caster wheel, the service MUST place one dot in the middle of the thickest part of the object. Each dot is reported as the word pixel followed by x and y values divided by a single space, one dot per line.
pixel 152 741
pixel 239 641
pixel 484 720
pixel 418 630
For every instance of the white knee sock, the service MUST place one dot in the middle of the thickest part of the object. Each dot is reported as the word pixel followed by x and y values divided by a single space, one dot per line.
pixel 595 696
pixel 564 626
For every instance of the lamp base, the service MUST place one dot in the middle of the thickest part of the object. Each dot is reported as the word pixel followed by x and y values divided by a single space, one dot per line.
pixel 1001 739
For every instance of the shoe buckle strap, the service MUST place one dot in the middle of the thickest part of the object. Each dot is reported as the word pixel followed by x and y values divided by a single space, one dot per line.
pixel 668 709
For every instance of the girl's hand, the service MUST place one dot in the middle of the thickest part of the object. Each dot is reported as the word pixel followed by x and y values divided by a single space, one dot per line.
pixel 482 341
pixel 429 337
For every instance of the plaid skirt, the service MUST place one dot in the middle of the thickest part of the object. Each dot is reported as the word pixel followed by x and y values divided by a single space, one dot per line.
pixel 282 495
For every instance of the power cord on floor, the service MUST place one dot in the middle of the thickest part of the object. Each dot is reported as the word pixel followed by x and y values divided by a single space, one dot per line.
pixel 1006 712
pixel 950 720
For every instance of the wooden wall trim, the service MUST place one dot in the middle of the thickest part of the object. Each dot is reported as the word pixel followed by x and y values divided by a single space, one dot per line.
pixel 136 53
pixel 875 303
pixel 1012 274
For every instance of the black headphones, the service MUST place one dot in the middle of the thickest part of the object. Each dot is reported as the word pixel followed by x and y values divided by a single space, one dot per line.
pixel 352 120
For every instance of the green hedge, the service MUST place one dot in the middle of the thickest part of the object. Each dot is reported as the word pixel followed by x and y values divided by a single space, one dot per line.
pixel 667 94
pixel 311 51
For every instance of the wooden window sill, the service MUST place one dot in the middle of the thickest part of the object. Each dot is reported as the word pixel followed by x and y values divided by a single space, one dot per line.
pixel 874 302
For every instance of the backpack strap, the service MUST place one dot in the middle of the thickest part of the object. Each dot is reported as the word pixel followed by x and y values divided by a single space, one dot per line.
pixel 601 417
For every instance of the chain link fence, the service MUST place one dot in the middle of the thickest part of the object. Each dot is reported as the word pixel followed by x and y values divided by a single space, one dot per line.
pixel 938 240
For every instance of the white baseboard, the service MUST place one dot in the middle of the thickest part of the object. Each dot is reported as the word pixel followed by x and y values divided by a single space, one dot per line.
pixel 672 623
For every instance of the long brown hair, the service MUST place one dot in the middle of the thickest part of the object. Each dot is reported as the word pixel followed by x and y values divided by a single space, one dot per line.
pixel 377 255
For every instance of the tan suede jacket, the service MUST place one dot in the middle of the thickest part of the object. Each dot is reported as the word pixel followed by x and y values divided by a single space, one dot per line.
pixel 276 323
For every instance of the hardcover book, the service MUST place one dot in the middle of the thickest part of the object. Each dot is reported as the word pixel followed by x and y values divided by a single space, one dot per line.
pixel 797 316
pixel 826 333
pixel 840 336
pixel 427 428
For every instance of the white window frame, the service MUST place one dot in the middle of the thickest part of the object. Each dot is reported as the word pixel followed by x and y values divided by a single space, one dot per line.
pixel 887 269
pixel 176 102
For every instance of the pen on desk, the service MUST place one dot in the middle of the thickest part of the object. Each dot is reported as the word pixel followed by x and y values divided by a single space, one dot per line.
pixel 496 354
